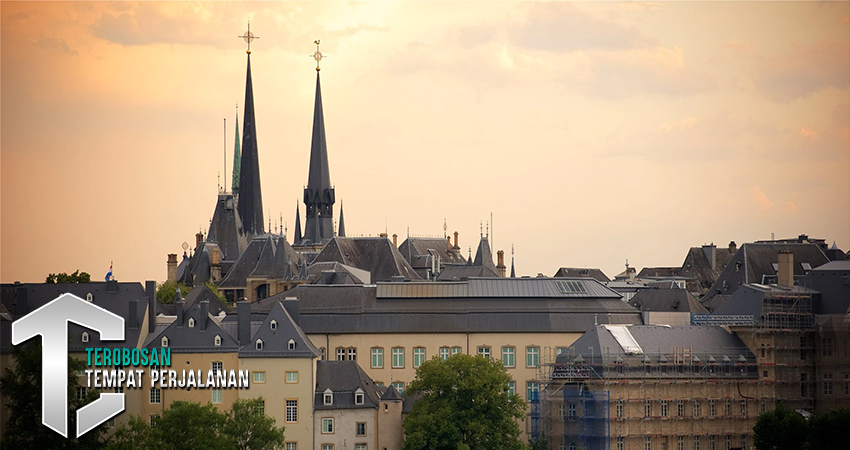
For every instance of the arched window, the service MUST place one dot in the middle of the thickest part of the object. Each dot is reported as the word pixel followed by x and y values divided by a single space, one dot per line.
pixel 89 297
pixel 273 324
pixel 217 341
pixel 292 344
pixel 259 344
pixel 191 322
pixel 165 341
pixel 85 337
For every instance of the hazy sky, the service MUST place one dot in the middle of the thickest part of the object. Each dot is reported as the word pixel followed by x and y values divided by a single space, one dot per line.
pixel 593 132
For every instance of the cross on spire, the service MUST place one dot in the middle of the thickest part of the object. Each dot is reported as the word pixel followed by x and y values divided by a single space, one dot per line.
pixel 248 36
pixel 317 55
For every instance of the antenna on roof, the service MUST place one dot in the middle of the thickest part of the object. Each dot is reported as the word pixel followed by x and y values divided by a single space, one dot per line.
pixel 446 230
pixel 492 243
pixel 225 153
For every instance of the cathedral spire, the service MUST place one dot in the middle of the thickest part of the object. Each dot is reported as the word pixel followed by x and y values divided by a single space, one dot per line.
pixel 250 204
pixel 513 271
pixel 341 222
pixel 319 195
pixel 237 157
pixel 297 237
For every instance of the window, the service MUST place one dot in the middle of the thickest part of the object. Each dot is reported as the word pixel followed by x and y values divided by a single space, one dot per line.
pixel 743 441
pixel 743 408
pixel 155 395
pixel 328 397
pixel 696 408
pixel 696 442
pixel 727 408
pixel 619 409
pixel 259 344
pixel 455 350
pixel 399 387
pixel 273 324
pixel 153 418
pixel 804 385
pixel 291 411
pixel 621 445
pixel 191 323
pixel 398 357
pixel 360 429
pixel 663 408
pixel 327 425
pixel 763 405
pixel 217 341
pixel 509 356
pixel 164 341
pixel 531 390
pixel 291 377
pixel 484 351
pixel 340 354
pixel 294 446
pixel 532 356
pixel 216 367
pixel 119 390
pixel 89 297
pixel 322 351
pixel 571 411
pixel 81 373
pixel 647 443
pixel 111 422
pixel 259 377
pixel 261 407
pixel 826 344
pixel 712 441
pixel 85 337
pixel 680 443
pixel 444 353
pixel 728 440
pixel 511 387
pixel 827 384
pixel 680 408
pixel 418 356
pixel 327 447
pixel 359 446
pixel 377 358
pixel 292 344
pixel 352 354
pixel 647 408
pixel 216 395
pixel 81 393
pixel 561 411
pixel 358 397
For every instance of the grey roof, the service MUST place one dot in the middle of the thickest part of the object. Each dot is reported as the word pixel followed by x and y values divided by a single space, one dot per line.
pixel 697 266
pixel 574 272
pixel 753 263
pixel 832 280
pixel 499 288
pixel 483 256
pixel 21 299
pixel 667 300
pixel 749 300
pixel 391 395
pixel 200 293
pixel 319 196
pixel 340 274
pixel 250 201
pixel 418 251
pixel 376 255
pixel 276 340
pixel 659 272
pixel 267 256
pixel 225 228
pixel 185 339
pixel 464 272
pixel 600 348
pixel 344 378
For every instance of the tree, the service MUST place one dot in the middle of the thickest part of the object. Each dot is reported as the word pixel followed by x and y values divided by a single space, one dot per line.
pixel 64 278
pixel 21 388
pixel 188 426
pixel 827 430
pixel 167 290
pixel 250 428
pixel 780 429
pixel 464 404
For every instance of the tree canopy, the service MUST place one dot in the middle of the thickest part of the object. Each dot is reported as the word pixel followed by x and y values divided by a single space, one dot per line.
pixel 463 404
pixel 64 278
pixel 166 291
pixel 785 429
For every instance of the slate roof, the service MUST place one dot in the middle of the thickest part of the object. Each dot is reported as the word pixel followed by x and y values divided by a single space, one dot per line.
pixel 483 256
pixel 667 300
pixel 391 395
pixel 574 272
pixel 250 201
pixel 832 280
pixel 319 194
pixel 340 274
pixel 376 255
pixel 416 251
pixel 749 300
pixel 660 272
pixel 185 339
pixel 600 348
pixel 344 378
pixel 225 229
pixel 200 293
pixel 117 299
pixel 267 256
pixel 464 272
pixel 753 263
pixel 697 267
pixel 276 340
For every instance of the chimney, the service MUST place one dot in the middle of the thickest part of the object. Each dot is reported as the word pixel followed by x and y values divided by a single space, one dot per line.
pixel 133 314
pixel 733 247
pixel 205 312
pixel 501 270
pixel 293 307
pixel 395 240
pixel 172 267
pixel 456 246
pixel 199 237
pixel 150 292
pixel 383 235
pixel 448 243
pixel 710 252
pixel 215 266
pixel 243 321
pixel 786 269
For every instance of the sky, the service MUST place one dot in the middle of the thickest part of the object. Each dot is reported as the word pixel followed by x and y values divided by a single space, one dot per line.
pixel 592 132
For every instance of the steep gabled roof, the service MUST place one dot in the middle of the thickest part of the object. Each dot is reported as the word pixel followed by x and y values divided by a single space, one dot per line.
pixel 185 339
pixel 376 255
pixel 667 300
pixel 464 272
pixel 418 249
pixel 572 272
pixel 832 280
pixel 201 293
pixel 483 256
pixel 276 339
pixel 225 229
pixel 250 201
pixel 317 273
pixel 344 378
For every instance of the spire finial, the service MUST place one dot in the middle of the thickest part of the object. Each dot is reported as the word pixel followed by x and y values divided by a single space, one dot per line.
pixel 445 228
pixel 481 227
pixel 248 36
pixel 317 55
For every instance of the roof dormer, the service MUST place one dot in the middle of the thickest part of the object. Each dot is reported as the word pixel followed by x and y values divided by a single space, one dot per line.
pixel 328 397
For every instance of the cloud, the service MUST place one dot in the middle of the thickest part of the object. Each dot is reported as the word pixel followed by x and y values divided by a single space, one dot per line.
pixel 809 133
pixel 761 199
pixel 805 70
pixel 56 44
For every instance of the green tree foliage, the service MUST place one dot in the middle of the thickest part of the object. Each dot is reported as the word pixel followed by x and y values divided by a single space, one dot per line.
pixel 166 291
pixel 64 278
pixel 212 287
pixel 186 425
pixel 828 429
pixel 464 405
pixel 539 444
pixel 780 429
pixel 21 390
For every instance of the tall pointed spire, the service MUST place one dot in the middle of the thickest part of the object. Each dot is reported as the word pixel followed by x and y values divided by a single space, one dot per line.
pixel 237 157
pixel 319 195
pixel 297 237
pixel 250 204
pixel 341 222
pixel 513 271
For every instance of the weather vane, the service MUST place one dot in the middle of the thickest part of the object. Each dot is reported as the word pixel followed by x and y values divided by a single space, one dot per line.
pixel 318 55
pixel 248 36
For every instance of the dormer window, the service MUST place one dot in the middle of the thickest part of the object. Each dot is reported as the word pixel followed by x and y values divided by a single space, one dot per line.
pixel 292 344
pixel 218 341
pixel 358 397
pixel 191 322
pixel 89 297
pixel 259 344
pixel 85 337
pixel 273 324
pixel 165 341
pixel 328 397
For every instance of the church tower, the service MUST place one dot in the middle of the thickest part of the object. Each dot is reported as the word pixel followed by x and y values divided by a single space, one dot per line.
pixel 319 195
pixel 250 201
